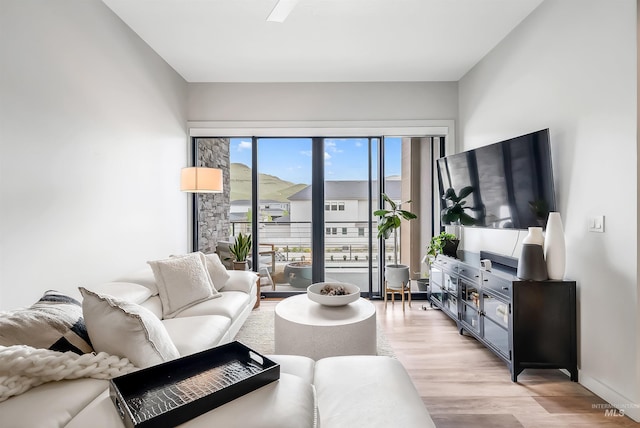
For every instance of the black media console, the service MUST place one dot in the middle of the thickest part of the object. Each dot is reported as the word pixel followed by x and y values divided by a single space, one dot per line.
pixel 528 324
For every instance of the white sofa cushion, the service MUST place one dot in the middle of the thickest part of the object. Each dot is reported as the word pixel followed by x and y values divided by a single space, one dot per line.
pixel 298 365
pixel 287 403
pixel 195 334
pixel 182 281
pixel 153 304
pixel 230 304
pixel 144 277
pixel 379 383
pixel 126 329
pixel 127 291
pixel 241 280
pixel 52 404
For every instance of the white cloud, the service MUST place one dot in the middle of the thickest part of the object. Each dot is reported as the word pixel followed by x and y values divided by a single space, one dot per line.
pixel 358 144
pixel 331 146
pixel 308 153
pixel 244 145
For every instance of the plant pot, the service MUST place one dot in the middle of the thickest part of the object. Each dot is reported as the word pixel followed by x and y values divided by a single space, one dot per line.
pixel 240 265
pixel 450 247
pixel 298 274
pixel 396 275
pixel 423 284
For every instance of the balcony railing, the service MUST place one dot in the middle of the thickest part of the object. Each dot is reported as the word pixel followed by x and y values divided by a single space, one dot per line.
pixel 346 251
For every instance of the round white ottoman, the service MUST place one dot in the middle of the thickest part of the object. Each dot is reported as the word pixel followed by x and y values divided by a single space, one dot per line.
pixel 303 327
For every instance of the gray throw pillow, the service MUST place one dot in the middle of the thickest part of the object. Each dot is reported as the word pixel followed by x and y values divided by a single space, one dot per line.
pixel 54 322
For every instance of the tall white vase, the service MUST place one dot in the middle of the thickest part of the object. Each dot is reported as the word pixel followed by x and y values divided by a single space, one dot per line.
pixel 535 236
pixel 554 247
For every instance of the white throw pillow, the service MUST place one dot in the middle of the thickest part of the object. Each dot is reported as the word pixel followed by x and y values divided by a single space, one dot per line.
pixel 127 291
pixel 126 329
pixel 217 271
pixel 182 281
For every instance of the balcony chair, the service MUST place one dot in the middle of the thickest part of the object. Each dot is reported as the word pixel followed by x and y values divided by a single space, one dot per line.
pixel 266 261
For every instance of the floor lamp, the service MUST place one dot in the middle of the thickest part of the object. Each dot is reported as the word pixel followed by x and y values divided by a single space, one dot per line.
pixel 200 180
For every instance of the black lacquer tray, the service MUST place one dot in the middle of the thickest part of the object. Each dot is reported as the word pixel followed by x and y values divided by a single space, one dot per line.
pixel 174 392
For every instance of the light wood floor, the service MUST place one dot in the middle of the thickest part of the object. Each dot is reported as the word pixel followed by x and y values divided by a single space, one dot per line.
pixel 465 385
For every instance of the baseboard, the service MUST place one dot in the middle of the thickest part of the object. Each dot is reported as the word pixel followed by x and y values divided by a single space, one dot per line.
pixel 624 405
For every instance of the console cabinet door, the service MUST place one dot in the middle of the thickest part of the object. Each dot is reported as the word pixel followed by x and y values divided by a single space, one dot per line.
pixel 435 282
pixel 450 293
pixel 495 323
pixel 470 305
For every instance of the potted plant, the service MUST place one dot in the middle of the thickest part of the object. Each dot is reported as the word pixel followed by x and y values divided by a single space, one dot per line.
pixel 240 249
pixel 445 243
pixel 396 275
pixel 390 220
pixel 454 212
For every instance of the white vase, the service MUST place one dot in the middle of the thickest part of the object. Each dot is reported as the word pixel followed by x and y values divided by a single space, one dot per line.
pixel 554 247
pixel 534 237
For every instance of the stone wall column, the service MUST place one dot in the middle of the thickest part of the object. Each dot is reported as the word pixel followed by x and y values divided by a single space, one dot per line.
pixel 213 208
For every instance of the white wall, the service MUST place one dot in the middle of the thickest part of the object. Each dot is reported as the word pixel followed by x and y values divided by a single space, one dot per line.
pixel 322 101
pixel 571 67
pixel 93 136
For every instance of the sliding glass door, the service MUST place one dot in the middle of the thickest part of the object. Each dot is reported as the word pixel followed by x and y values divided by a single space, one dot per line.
pixel 309 203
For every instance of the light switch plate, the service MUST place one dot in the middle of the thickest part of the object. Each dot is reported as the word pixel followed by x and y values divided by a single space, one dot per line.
pixel 596 224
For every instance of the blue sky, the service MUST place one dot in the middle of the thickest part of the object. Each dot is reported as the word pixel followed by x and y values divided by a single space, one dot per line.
pixel 290 158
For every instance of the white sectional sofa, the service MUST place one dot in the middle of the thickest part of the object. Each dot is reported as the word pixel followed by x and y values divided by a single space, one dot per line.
pixel 350 391
pixel 209 323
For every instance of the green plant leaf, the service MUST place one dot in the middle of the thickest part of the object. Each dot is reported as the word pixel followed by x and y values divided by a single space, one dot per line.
pixel 464 192
pixel 389 201
pixel 466 219
pixel 407 215
pixel 449 193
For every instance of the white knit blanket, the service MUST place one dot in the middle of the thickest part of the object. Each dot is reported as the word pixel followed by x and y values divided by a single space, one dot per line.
pixel 23 367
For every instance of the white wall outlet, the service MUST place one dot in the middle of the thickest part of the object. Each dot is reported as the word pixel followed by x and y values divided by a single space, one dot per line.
pixel 596 224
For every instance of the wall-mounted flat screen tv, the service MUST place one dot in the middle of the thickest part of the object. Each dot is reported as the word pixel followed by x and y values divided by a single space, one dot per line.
pixel 506 185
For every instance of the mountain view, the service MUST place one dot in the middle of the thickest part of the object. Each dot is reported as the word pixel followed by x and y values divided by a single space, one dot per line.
pixel 271 187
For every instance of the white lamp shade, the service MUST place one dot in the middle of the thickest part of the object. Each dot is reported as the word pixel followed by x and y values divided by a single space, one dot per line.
pixel 201 180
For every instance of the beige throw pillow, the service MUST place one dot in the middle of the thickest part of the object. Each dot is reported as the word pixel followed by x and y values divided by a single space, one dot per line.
pixel 217 271
pixel 182 281
pixel 127 330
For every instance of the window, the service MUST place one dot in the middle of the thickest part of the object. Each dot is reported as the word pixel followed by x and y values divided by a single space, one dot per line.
pixel 333 206
pixel 355 171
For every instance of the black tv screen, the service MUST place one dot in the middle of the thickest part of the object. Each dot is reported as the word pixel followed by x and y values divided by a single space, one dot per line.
pixel 506 185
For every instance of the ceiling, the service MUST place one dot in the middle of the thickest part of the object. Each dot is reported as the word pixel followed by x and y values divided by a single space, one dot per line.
pixel 322 40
